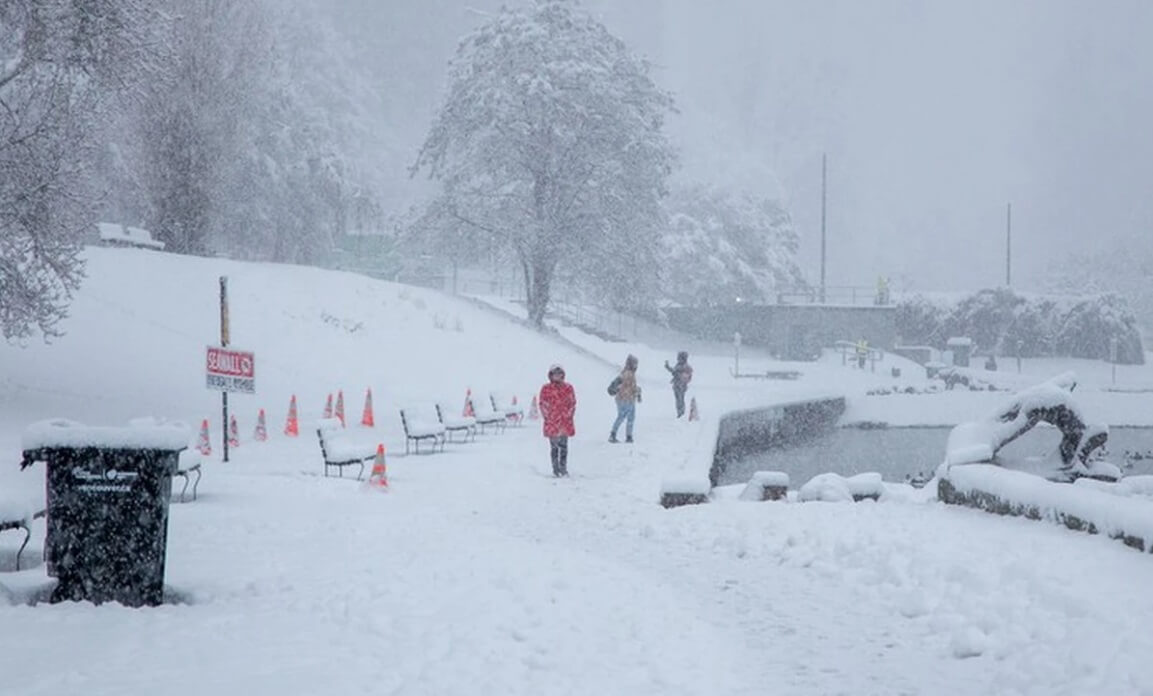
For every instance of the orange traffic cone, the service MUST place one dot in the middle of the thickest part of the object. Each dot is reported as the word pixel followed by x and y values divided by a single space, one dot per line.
pixel 379 476
pixel 292 426
pixel 233 432
pixel 534 409
pixel 693 415
pixel 261 432
pixel 340 407
pixel 328 407
pixel 203 444
pixel 367 420
pixel 468 412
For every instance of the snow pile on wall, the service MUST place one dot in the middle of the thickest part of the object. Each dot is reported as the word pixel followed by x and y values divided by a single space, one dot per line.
pixel 1008 492
pixel 760 480
pixel 1129 486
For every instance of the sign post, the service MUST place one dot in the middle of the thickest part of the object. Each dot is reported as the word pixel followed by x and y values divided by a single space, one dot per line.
pixel 1113 357
pixel 736 354
pixel 224 336
pixel 226 369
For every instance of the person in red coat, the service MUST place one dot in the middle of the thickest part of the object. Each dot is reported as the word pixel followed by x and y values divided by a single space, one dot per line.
pixel 557 406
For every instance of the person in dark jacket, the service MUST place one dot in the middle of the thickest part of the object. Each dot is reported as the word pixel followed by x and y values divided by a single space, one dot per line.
pixel 682 374
pixel 628 395
pixel 557 405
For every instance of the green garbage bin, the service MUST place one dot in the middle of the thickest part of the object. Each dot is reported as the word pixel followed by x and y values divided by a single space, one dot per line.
pixel 108 491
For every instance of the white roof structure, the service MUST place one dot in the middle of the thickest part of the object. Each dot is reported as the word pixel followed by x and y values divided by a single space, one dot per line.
pixel 112 233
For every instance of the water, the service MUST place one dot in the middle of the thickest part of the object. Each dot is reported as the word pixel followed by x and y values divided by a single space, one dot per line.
pixel 898 453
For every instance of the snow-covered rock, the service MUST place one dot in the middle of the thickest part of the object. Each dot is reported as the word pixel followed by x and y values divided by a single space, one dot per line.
pixel 830 488
pixel 766 485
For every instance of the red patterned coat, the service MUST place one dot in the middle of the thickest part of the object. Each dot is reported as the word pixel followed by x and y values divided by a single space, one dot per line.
pixel 557 406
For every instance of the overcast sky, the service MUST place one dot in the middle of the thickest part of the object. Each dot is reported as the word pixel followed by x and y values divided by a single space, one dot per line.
pixel 934 114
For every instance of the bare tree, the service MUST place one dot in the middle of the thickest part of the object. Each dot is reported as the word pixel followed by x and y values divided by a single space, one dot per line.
pixel 57 58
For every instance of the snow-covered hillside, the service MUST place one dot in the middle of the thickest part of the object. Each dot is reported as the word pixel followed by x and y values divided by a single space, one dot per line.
pixel 480 573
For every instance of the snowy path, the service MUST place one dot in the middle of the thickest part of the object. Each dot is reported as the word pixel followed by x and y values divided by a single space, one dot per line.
pixel 480 574
pixel 487 576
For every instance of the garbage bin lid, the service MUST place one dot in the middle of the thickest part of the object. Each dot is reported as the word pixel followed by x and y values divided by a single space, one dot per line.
pixel 152 435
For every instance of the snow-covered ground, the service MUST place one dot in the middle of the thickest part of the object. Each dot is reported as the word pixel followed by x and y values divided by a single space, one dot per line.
pixel 478 573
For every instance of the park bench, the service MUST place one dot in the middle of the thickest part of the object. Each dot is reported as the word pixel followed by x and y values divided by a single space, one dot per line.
pixel 485 416
pixel 513 414
pixel 456 424
pixel 189 464
pixel 338 451
pixel 20 522
pixel 418 429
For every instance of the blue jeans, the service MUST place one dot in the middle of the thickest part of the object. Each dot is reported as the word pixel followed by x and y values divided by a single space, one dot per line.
pixel 625 410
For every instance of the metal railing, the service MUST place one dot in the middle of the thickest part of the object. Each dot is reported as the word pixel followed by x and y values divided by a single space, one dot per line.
pixel 857 295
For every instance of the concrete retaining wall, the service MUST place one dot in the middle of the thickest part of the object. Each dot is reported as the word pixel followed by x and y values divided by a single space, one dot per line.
pixel 793 332
pixel 751 431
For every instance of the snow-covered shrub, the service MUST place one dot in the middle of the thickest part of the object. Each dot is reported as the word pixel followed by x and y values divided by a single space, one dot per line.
pixel 920 321
pixel 1031 334
pixel 1002 322
pixel 984 317
pixel 1091 325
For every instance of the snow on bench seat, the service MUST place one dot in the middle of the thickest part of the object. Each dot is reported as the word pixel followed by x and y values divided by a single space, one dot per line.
pixel 456 424
pixel 485 416
pixel 339 450
pixel 685 489
pixel 502 405
pixel 418 427
pixel 766 485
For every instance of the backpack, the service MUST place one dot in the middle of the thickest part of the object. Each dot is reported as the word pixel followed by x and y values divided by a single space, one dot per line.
pixel 615 386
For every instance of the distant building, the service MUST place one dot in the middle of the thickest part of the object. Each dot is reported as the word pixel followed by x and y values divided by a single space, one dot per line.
pixel 117 235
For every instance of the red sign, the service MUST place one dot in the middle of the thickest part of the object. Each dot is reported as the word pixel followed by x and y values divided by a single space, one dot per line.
pixel 231 370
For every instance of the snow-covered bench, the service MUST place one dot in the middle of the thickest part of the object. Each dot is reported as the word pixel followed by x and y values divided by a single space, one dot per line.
pixel 512 413
pixel 338 450
pixel 456 424
pixel 189 464
pixel 485 415
pixel 418 429
pixel 18 515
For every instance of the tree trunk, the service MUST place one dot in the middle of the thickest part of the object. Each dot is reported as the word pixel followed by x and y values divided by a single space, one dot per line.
pixel 538 273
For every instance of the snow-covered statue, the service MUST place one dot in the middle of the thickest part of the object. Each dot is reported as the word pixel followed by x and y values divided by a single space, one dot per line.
pixel 1050 402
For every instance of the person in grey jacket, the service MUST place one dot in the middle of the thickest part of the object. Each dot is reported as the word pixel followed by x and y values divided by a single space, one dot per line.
pixel 682 374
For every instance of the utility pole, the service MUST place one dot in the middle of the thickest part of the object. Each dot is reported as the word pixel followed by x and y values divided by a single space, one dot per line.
pixel 1009 246
pixel 824 186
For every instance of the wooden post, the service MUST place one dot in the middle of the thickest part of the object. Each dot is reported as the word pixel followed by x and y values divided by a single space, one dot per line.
pixel 224 340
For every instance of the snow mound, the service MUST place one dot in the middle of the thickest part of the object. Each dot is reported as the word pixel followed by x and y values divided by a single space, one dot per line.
pixel 760 480
pixel 866 485
pixel 688 484
pixel 830 488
